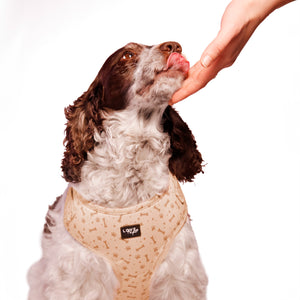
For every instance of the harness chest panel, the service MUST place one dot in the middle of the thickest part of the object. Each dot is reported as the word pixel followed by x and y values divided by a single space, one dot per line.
pixel 135 240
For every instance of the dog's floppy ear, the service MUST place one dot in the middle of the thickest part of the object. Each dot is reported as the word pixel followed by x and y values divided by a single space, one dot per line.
pixel 186 160
pixel 83 117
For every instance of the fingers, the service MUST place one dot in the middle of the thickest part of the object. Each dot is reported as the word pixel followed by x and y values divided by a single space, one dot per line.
pixel 197 79
pixel 190 85
pixel 188 88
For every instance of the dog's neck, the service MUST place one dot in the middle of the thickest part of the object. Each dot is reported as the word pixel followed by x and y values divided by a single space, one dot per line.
pixel 129 163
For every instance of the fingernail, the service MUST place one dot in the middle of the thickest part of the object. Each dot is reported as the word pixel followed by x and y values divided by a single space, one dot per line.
pixel 206 61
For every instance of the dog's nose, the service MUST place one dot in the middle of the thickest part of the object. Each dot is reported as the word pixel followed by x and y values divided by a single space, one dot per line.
pixel 171 47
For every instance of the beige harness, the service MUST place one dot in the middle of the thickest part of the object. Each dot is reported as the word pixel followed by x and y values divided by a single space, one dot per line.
pixel 135 239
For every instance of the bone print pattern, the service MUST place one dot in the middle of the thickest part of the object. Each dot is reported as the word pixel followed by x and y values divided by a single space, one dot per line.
pixel 134 259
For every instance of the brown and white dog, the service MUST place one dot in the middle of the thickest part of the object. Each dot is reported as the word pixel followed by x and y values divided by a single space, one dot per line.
pixel 122 142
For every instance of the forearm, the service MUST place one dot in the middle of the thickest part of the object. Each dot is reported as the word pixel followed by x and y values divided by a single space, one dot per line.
pixel 262 8
pixel 274 4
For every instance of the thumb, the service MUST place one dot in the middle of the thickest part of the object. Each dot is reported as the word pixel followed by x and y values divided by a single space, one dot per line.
pixel 212 51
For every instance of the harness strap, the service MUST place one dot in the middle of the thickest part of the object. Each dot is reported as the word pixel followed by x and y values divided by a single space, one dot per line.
pixel 135 240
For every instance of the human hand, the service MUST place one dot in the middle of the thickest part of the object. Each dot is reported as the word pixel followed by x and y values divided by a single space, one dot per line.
pixel 239 21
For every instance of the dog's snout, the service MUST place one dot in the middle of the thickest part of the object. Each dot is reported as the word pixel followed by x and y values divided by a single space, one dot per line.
pixel 171 47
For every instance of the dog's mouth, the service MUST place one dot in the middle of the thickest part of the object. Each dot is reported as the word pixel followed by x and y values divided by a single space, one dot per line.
pixel 176 65
pixel 177 62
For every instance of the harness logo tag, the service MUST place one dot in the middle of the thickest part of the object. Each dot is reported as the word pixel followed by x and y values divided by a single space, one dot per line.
pixel 132 231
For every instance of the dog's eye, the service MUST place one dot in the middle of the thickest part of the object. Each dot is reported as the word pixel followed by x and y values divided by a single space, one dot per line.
pixel 127 55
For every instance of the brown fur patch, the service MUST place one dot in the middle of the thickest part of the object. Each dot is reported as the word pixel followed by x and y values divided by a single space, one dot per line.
pixel 108 91
pixel 49 221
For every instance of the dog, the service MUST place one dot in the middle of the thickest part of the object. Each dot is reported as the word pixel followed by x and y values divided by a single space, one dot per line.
pixel 121 229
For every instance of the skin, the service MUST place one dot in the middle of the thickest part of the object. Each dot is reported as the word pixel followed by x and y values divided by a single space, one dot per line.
pixel 239 21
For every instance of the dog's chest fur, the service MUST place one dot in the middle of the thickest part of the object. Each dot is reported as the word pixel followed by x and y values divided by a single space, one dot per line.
pixel 129 163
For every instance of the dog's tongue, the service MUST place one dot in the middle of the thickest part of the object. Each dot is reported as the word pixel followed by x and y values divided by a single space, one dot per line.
pixel 177 61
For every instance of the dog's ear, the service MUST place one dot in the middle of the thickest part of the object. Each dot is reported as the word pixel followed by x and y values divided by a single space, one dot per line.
pixel 186 160
pixel 83 118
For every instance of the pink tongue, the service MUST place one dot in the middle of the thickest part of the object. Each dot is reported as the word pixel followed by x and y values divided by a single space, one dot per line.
pixel 177 61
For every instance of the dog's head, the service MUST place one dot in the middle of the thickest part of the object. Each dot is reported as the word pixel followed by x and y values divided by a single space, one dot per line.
pixel 141 78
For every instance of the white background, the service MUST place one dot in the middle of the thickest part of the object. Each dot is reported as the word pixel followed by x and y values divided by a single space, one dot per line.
pixel 245 208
